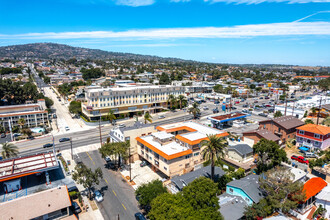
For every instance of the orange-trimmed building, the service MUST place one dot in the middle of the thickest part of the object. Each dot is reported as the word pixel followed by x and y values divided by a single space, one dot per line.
pixel 313 136
pixel 175 149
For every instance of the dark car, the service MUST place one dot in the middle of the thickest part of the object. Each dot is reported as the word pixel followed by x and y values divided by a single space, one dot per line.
pixel 143 163
pixel 64 139
pixel 263 114
pixel 261 97
pixel 233 108
pixel 139 216
pixel 75 208
pixel 3 135
pixel 30 138
pixel 245 106
pixel 48 145
pixel 255 101
pixel 271 110
pixel 266 97
pixel 215 110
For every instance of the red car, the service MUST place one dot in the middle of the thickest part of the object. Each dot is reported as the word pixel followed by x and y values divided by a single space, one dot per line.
pixel 237 102
pixel 300 159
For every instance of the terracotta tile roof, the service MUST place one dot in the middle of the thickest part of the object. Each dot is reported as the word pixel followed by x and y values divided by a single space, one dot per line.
pixel 314 186
pixel 316 129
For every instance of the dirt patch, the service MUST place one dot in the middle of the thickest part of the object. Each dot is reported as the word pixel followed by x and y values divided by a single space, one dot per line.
pixel 93 204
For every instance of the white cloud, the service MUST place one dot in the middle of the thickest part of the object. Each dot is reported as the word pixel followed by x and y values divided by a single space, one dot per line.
pixel 269 1
pixel 135 3
pixel 241 31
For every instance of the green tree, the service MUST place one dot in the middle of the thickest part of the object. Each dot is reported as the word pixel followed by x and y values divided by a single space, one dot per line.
pixel 324 84
pixel 182 101
pixel 218 88
pixel 147 117
pixel 111 116
pixel 326 121
pixel 21 122
pixel 309 121
pixel 148 192
pixel 117 149
pixel 171 100
pixel 86 177
pixel 197 201
pixel 164 79
pixel 282 194
pixel 258 89
pixel 9 150
pixel 75 107
pixel 194 109
pixel 269 155
pixel 27 132
pixel 213 149
pixel 278 114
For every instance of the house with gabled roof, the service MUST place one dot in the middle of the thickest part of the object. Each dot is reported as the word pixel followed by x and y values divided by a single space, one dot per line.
pixel 313 136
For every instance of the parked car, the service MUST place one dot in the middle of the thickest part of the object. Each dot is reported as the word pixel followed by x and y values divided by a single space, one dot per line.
pixel 237 102
pixel 268 106
pixel 300 159
pixel 67 128
pixel 64 139
pixel 205 108
pixel 266 97
pixel 107 159
pixel 271 110
pixel 30 138
pixel 143 163
pixel 17 134
pixel 309 155
pixel 245 106
pixel 263 114
pixel 3 135
pixel 215 110
pixel 233 108
pixel 255 101
pixel 161 117
pixel 75 208
pixel 122 126
pixel 48 145
pixel 261 97
pixel 139 216
pixel 98 196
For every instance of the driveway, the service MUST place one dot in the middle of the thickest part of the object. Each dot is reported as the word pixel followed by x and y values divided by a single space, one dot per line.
pixel 119 197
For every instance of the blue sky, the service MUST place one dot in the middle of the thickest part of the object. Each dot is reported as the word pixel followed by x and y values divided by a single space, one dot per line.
pixel 221 31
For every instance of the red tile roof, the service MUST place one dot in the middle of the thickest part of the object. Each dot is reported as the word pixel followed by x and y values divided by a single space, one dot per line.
pixel 314 186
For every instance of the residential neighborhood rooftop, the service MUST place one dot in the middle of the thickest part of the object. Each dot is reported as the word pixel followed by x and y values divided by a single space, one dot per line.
pixel 316 129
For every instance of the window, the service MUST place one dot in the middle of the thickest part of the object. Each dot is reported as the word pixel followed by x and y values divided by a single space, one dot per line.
pixel 187 156
pixel 316 135
pixel 301 132
pixel 165 168
pixel 196 154
pixel 142 152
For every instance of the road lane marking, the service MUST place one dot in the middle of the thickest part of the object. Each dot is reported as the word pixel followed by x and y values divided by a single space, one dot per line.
pixel 123 206
pixel 114 193
pixel 106 180
pixel 90 157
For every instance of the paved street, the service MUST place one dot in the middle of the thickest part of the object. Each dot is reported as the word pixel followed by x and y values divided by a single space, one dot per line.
pixel 119 198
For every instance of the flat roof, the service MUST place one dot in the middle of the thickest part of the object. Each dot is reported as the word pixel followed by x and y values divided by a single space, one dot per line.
pixel 23 166
pixel 132 88
pixel 22 113
pixel 162 135
pixel 18 106
pixel 228 117
pixel 37 204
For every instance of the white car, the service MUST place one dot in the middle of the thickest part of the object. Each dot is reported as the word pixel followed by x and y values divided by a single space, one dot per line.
pixel 98 196
pixel 67 128
pixel 161 117
pixel 205 108
pixel 121 126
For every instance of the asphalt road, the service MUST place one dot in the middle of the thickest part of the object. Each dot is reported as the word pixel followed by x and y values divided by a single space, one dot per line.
pixel 119 197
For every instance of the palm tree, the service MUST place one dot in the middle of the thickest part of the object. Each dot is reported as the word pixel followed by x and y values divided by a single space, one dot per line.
pixel 9 150
pixel 182 100
pixel 194 109
pixel 147 117
pixel 21 122
pixel 171 100
pixel 213 149
pixel 111 116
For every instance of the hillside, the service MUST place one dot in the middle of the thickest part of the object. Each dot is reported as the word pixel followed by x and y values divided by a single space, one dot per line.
pixel 62 51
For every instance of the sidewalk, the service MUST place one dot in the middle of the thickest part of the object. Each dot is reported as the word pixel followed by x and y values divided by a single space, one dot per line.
pixel 90 214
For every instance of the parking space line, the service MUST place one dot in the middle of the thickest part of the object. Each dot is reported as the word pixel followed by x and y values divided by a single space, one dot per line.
pixel 114 193
pixel 123 206
pixel 90 157
pixel 106 180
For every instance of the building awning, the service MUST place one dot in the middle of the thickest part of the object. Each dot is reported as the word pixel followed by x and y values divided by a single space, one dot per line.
pixel 304 148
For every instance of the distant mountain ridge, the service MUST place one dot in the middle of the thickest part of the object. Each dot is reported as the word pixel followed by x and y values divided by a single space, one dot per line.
pixel 62 51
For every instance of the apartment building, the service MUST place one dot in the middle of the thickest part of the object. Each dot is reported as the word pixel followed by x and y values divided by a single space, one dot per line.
pixel 176 148
pixel 284 127
pixel 313 137
pixel 34 114
pixel 128 100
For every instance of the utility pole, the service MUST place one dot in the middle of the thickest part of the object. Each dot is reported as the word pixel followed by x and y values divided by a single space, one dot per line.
pixel 318 114
pixel 100 130
pixel 129 162
pixel 71 148
pixel 286 104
